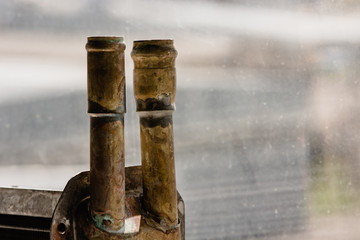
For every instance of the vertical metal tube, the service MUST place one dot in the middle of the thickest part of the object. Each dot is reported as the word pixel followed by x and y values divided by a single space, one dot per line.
pixel 106 107
pixel 154 89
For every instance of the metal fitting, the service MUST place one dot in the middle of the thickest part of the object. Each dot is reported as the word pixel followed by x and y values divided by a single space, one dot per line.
pixel 94 205
pixel 154 90
pixel 106 107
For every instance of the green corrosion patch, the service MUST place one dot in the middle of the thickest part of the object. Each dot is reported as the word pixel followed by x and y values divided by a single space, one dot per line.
pixel 120 40
pixel 104 222
pixel 101 221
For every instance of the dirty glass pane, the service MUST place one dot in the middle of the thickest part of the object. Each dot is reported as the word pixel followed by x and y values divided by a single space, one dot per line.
pixel 266 122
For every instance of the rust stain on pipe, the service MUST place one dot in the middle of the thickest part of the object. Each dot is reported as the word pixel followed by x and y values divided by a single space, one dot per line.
pixel 154 90
pixel 106 107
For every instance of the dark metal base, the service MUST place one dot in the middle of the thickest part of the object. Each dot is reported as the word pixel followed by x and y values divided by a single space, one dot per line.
pixel 26 214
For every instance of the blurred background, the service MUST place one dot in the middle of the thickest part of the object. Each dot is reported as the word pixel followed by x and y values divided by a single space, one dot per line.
pixel 266 125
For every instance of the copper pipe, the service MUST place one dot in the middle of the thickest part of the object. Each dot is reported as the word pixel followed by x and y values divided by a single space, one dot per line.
pixel 106 107
pixel 154 90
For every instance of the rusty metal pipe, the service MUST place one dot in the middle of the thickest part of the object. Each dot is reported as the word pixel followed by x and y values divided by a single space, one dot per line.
pixel 154 90
pixel 106 107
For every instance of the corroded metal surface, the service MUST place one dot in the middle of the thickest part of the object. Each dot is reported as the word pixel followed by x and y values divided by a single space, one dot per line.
pixel 106 75
pixel 71 219
pixel 106 107
pixel 154 89
pixel 102 204
pixel 28 202
pixel 76 190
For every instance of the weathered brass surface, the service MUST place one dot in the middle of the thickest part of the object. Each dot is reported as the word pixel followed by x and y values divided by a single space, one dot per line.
pixel 154 90
pixel 71 219
pixel 134 211
pixel 106 107
pixel 106 75
pixel 102 204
